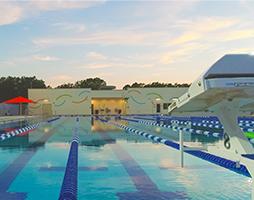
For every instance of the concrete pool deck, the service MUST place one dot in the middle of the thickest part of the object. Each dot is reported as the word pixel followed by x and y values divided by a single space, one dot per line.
pixel 4 119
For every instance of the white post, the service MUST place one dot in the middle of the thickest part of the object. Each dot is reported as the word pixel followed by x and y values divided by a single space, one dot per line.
pixel 252 189
pixel 181 147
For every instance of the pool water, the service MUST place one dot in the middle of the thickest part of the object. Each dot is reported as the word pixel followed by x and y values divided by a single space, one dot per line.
pixel 112 165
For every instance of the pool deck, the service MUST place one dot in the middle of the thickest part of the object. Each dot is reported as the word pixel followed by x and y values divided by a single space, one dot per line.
pixel 4 119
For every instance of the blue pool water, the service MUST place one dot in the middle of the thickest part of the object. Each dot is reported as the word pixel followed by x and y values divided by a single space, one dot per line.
pixel 112 164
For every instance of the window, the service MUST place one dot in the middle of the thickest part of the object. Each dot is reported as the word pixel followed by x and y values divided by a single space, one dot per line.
pixel 166 105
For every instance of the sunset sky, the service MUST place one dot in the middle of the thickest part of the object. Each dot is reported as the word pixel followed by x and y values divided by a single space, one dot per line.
pixel 121 41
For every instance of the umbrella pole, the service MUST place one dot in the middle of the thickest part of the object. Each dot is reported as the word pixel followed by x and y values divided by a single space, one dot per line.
pixel 20 106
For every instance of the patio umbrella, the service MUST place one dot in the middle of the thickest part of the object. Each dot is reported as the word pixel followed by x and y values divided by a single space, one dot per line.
pixel 19 100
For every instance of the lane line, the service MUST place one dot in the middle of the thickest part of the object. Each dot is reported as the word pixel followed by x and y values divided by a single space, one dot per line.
pixel 12 171
pixel 69 187
pixel 146 188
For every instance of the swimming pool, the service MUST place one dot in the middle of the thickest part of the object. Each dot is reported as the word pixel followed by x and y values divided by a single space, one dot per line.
pixel 112 164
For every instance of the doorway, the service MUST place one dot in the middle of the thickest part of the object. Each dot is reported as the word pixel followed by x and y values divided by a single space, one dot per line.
pixel 108 106
pixel 158 108
pixel 47 110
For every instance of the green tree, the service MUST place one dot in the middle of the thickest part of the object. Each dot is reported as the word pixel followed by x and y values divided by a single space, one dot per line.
pixel 126 87
pixel 137 85
pixel 11 87
pixel 66 85
pixel 154 85
pixel 93 83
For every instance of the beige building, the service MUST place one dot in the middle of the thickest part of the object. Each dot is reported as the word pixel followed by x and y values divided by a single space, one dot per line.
pixel 102 102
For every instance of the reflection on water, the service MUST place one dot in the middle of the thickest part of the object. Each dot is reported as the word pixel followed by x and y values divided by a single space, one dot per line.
pixel 204 139
pixel 9 126
pixel 98 126
pixel 15 142
pixel 19 142
pixel 90 138
pixel 98 143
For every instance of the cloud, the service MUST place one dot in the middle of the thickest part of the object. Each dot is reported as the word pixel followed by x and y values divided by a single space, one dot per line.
pixel 59 79
pixel 116 64
pixel 211 24
pixel 97 65
pixel 95 60
pixel 79 28
pixel 61 4
pixel 95 56
pixel 238 34
pixel 14 11
pixel 200 29
pixel 114 37
pixel 7 63
pixel 186 37
pixel 45 58
pixel 10 13
pixel 244 50
pixel 182 53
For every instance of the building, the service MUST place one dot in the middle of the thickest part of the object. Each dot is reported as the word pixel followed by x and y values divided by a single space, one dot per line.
pixel 102 102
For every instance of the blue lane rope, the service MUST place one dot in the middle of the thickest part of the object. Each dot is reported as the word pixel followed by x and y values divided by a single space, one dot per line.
pixel 201 123
pixel 177 128
pixel 54 119
pixel 189 130
pixel 13 133
pixel 228 164
pixel 70 182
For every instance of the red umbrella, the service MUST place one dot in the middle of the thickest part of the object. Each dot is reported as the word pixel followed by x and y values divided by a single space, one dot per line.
pixel 19 100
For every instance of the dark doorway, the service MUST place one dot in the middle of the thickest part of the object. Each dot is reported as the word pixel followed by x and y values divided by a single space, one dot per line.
pixel 158 107
pixel 92 109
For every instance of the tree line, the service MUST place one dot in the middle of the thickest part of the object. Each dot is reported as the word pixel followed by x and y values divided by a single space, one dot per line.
pixel 11 87
pixel 154 85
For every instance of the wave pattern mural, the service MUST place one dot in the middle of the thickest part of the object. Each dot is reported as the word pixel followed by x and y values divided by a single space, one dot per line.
pixel 138 95
pixel 62 99
pixel 84 92
pixel 134 98
pixel 81 101
pixel 37 105
pixel 136 101
pixel 63 95
pixel 154 94
pixel 60 104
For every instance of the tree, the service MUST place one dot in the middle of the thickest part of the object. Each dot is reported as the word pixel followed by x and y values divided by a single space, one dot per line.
pixel 66 85
pixel 154 85
pixel 11 87
pixel 126 87
pixel 93 83
pixel 137 85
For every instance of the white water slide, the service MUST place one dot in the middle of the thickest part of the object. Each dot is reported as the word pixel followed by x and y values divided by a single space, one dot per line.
pixel 225 90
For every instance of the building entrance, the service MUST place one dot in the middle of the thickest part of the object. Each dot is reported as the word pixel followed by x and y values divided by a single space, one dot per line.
pixel 108 106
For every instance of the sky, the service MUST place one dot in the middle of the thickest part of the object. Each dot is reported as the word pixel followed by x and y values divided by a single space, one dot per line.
pixel 121 41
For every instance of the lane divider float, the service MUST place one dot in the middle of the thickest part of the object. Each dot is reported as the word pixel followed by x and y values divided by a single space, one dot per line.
pixel 69 187
pixel 20 131
pixel 223 162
